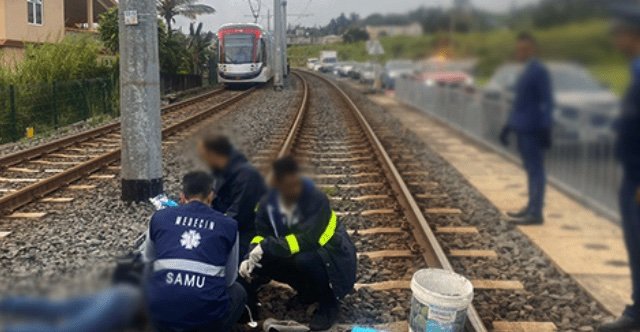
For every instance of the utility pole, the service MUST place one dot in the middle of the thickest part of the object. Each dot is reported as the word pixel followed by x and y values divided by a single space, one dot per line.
pixel 278 79
pixel 285 60
pixel 140 101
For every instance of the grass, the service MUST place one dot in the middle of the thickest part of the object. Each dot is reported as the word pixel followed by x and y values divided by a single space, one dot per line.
pixel 586 43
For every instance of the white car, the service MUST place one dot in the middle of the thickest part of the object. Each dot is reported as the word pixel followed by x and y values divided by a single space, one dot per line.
pixel 312 62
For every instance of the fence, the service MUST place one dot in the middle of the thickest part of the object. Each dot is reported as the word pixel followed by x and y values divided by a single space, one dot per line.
pixel 178 82
pixel 581 161
pixel 47 106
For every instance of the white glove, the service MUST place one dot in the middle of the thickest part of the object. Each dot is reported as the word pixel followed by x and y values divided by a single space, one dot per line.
pixel 248 265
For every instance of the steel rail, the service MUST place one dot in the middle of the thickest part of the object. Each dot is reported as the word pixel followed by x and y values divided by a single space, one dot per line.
pixel 433 253
pixel 26 195
pixel 59 144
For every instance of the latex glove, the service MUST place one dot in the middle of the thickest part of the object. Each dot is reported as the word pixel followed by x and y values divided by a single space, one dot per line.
pixel 246 268
pixel 253 261
pixel 504 135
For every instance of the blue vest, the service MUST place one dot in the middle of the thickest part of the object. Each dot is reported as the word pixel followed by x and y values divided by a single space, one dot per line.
pixel 187 285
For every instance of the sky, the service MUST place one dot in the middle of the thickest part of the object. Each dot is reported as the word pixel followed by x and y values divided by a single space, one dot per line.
pixel 322 11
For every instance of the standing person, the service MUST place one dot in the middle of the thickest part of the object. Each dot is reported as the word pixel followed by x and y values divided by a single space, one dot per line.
pixel 300 242
pixel 531 120
pixel 626 33
pixel 193 253
pixel 237 185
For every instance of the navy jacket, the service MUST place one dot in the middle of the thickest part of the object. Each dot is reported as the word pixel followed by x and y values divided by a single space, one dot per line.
pixel 317 228
pixel 193 252
pixel 533 101
pixel 628 127
pixel 238 190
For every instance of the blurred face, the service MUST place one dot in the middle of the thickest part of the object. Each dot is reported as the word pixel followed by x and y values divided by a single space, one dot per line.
pixel 289 187
pixel 627 42
pixel 525 50
pixel 215 161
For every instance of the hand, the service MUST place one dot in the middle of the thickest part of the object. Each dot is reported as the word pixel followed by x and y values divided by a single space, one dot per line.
pixel 546 138
pixel 256 254
pixel 246 268
pixel 504 135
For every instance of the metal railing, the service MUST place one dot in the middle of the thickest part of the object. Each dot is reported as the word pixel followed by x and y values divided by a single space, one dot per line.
pixel 48 106
pixel 581 161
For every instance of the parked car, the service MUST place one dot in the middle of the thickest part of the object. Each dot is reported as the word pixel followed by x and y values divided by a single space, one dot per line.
pixel 451 78
pixel 343 68
pixel 585 109
pixel 312 62
pixel 368 73
pixel 395 69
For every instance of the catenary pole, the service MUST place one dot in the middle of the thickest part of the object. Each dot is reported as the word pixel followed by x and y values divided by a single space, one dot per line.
pixel 278 34
pixel 141 171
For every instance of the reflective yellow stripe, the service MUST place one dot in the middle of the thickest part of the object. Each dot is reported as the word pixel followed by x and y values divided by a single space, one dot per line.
pixel 293 243
pixel 257 239
pixel 330 230
pixel 257 207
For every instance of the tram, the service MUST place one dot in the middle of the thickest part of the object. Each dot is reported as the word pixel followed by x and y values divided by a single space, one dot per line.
pixel 245 54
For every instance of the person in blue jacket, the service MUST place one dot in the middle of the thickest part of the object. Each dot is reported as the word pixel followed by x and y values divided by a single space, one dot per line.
pixel 192 252
pixel 626 32
pixel 301 242
pixel 237 185
pixel 531 119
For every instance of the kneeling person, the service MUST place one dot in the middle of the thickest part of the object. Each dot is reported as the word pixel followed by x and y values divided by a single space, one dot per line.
pixel 193 252
pixel 300 242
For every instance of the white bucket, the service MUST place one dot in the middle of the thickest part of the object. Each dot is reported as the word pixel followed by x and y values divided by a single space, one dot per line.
pixel 439 302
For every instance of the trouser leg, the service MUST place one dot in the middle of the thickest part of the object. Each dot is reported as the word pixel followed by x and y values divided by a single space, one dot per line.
pixel 238 299
pixel 630 212
pixel 40 308
pixel 316 279
pixel 532 154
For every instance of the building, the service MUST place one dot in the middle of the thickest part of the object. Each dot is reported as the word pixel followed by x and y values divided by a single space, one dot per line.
pixel 331 39
pixel 45 21
pixel 413 29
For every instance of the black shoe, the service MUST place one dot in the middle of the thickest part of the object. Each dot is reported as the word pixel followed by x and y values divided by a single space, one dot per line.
pixel 520 214
pixel 528 220
pixel 325 317
pixel 622 324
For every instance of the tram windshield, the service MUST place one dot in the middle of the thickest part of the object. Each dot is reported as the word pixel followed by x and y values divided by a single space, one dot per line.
pixel 238 49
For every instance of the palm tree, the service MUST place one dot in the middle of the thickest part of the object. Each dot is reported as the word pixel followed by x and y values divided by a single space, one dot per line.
pixel 169 9
pixel 199 46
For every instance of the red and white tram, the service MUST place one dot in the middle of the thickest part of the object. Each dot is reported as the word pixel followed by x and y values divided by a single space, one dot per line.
pixel 245 52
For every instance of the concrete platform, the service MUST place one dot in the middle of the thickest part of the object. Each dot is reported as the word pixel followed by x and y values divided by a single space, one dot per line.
pixel 588 247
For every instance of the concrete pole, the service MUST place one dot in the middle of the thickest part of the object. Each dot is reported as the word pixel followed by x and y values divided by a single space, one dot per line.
pixel 90 14
pixel 140 101
pixel 278 33
pixel 285 60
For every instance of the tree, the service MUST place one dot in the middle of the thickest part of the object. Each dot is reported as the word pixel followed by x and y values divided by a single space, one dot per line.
pixel 169 9
pixel 353 35
pixel 199 48
pixel 108 30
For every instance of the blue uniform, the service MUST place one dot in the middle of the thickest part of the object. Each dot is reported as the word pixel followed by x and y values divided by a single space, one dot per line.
pixel 193 251
pixel 530 118
pixel 628 152
pixel 238 190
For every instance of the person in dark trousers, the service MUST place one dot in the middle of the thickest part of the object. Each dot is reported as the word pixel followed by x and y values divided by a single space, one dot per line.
pixel 193 255
pixel 626 32
pixel 237 185
pixel 301 242
pixel 531 120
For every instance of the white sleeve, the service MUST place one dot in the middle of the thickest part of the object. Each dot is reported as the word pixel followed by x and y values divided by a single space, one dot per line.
pixel 231 270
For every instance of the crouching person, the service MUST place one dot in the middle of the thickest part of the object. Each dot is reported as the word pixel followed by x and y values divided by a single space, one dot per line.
pixel 193 255
pixel 300 242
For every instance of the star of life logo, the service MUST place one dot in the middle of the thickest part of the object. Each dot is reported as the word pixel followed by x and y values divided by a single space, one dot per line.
pixel 190 239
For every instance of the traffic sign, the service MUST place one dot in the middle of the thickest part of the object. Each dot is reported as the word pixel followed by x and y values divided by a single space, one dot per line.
pixel 374 47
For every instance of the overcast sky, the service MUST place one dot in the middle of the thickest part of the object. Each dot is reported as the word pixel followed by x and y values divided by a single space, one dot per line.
pixel 323 11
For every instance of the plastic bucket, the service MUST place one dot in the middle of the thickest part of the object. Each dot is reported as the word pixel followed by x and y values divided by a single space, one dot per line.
pixel 439 302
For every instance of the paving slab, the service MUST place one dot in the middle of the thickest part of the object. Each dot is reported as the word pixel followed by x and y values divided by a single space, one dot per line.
pixel 580 242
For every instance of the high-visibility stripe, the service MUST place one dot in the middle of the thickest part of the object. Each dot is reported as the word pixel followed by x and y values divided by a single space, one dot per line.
pixel 257 207
pixel 294 247
pixel 189 266
pixel 257 239
pixel 330 230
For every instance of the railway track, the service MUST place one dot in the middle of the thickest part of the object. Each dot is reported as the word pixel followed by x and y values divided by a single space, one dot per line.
pixel 34 173
pixel 341 152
